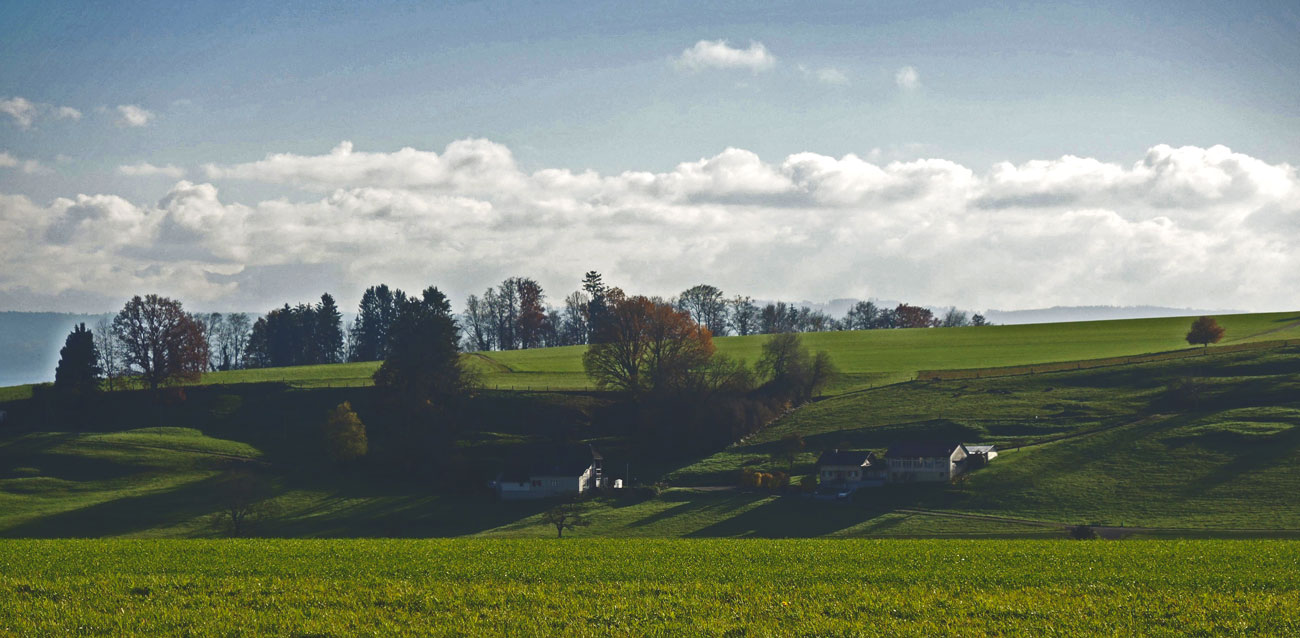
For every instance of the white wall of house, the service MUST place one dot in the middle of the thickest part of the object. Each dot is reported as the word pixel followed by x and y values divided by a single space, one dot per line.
pixel 926 468
pixel 544 486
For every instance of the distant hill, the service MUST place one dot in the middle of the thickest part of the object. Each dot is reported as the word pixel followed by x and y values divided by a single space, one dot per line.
pixel 30 342
pixel 1059 314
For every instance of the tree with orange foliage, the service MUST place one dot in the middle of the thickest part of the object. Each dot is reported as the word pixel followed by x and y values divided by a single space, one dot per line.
pixel 160 341
pixel 646 346
pixel 1205 331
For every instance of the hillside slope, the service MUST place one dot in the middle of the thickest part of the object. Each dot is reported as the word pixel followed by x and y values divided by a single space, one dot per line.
pixel 1128 445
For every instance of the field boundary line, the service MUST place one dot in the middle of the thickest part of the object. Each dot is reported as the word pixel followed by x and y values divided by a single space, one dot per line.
pixel 1089 364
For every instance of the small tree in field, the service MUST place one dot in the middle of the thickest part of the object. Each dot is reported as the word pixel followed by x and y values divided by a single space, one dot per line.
pixel 345 434
pixel 1205 331
pixel 566 516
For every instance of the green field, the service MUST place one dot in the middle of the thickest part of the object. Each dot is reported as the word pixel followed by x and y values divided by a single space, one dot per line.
pixel 1102 446
pixel 865 359
pixel 646 587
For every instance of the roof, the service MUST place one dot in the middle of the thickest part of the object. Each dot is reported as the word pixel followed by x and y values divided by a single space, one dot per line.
pixel 846 457
pixel 922 449
pixel 571 461
pixel 981 449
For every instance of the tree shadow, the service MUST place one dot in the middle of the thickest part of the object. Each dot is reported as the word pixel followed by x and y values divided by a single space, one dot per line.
pixel 125 515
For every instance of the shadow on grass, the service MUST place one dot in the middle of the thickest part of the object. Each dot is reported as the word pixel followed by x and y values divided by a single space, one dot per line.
pixel 124 515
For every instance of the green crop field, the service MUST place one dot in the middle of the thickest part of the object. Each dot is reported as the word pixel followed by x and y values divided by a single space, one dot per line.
pixel 576 587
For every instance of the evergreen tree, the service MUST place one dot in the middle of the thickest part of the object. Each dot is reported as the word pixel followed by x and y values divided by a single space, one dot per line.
pixel 78 374
pixel 329 331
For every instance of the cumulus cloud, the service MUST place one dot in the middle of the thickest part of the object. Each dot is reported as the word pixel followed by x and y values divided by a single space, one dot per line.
pixel 907 78
pixel 133 116
pixel 719 54
pixel 28 167
pixel 1182 226
pixel 145 169
pixel 24 112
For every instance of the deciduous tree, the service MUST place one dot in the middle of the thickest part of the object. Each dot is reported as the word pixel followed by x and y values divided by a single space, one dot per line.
pixel 566 516
pixel 160 341
pixel 647 346
pixel 1205 330
pixel 345 434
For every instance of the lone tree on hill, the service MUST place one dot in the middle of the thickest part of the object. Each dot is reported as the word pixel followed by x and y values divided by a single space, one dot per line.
pixel 566 516
pixel 160 341
pixel 1205 331
pixel 78 373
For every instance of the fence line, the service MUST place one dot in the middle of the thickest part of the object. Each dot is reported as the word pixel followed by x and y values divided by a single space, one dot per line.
pixel 1088 364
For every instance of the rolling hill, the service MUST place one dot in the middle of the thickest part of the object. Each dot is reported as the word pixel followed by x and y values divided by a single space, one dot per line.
pixel 1204 445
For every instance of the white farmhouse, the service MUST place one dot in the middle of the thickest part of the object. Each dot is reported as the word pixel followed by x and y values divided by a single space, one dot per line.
pixel 569 472
pixel 849 468
pixel 925 461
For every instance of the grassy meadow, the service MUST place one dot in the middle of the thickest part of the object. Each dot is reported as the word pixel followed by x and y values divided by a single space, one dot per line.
pixel 593 587
pixel 865 358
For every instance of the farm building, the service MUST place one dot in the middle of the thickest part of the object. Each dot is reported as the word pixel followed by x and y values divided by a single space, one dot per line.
pixel 918 461
pixel 572 471
pixel 850 468
pixel 985 453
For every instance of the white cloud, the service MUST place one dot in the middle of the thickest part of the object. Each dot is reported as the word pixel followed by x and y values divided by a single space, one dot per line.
pixel 907 78
pixel 1182 226
pixel 718 54
pixel 20 109
pixel 133 116
pixel 24 112
pixel 145 169
pixel 28 167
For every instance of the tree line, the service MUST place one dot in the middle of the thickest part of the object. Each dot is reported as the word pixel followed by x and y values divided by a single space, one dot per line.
pixel 510 316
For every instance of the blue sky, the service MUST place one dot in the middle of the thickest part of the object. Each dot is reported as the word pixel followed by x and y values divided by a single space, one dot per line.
pixel 603 86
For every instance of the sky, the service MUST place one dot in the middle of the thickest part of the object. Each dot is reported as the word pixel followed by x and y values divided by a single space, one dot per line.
pixel 988 156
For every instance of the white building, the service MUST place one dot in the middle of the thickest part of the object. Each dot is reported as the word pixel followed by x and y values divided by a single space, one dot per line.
pixel 926 461
pixel 570 472
pixel 849 468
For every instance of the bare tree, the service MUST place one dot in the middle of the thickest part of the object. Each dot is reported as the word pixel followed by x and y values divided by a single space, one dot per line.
pixel 744 315
pixel 954 318
pixel 706 306
pixel 566 516
pixel 479 324
pixel 242 495
pixel 574 328
pixel 110 354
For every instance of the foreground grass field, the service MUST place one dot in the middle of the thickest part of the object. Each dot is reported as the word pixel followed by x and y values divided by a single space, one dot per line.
pixel 577 587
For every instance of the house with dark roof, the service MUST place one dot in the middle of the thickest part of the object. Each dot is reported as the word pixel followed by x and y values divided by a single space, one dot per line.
pixel 849 468
pixel 925 461
pixel 562 472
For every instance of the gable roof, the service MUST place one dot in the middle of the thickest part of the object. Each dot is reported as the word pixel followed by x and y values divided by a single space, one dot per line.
pixel 846 457
pixel 922 449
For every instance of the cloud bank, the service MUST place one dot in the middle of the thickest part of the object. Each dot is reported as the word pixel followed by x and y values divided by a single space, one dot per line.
pixel 1189 226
